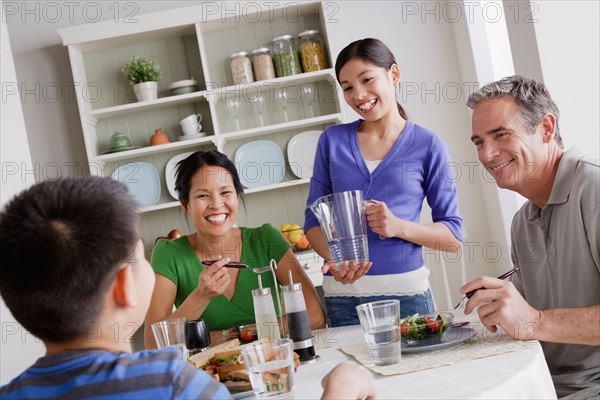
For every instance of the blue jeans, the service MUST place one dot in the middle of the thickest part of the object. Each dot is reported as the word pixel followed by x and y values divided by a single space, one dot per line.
pixel 341 311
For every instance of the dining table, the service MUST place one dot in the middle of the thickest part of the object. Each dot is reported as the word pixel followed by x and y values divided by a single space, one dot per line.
pixel 486 366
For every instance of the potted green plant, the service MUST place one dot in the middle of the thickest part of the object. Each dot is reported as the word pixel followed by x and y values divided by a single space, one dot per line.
pixel 143 74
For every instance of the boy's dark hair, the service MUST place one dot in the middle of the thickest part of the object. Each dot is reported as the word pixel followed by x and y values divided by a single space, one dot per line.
pixel 187 168
pixel 61 245
pixel 370 50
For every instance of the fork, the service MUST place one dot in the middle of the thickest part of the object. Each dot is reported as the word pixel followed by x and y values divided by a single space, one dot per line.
pixel 258 270
pixel 472 292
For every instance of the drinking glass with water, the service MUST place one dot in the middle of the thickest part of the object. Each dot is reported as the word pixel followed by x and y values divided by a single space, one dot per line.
pixel 271 368
pixel 380 321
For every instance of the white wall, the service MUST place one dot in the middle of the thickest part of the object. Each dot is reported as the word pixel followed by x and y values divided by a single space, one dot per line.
pixel 568 39
pixel 18 348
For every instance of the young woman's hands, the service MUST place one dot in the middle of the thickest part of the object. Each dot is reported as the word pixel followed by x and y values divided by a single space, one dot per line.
pixel 349 272
pixel 381 220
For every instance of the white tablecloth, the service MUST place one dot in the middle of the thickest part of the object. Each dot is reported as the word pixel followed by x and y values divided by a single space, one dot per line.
pixel 516 375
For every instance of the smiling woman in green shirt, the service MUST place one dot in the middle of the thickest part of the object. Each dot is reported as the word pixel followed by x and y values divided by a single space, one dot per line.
pixel 209 190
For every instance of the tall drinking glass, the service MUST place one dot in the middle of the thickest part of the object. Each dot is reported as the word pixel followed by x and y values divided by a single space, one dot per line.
pixel 171 333
pixel 308 98
pixel 271 368
pixel 233 105
pixel 259 106
pixel 283 100
pixel 380 321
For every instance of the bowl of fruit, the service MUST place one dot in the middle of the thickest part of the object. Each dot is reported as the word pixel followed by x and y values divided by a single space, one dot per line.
pixel 294 234
pixel 425 328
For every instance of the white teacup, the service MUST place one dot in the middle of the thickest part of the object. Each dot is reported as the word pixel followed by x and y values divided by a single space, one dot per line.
pixel 192 128
pixel 191 118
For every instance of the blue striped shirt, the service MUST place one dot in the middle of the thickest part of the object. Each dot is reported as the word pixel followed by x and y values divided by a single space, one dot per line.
pixel 98 374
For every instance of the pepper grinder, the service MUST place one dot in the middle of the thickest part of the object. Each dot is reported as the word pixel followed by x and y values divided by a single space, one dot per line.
pixel 264 312
pixel 298 322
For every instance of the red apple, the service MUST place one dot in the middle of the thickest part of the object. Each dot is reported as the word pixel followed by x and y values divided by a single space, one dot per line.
pixel 174 234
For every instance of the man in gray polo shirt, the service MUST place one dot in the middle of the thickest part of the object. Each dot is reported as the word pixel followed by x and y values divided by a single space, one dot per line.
pixel 555 296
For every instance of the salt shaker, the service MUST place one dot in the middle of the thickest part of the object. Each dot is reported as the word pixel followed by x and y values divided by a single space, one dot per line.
pixel 264 312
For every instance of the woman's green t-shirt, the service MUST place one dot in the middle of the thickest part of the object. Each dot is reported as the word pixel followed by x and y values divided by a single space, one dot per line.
pixel 176 260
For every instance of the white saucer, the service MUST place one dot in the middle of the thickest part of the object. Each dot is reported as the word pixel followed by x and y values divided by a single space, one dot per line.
pixel 192 136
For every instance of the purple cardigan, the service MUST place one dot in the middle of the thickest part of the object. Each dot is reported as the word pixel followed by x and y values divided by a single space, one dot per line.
pixel 417 166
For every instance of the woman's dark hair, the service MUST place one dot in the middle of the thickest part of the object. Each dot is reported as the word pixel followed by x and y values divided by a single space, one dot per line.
pixel 187 168
pixel 370 50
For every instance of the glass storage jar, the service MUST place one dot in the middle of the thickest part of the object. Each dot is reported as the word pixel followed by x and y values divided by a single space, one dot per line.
pixel 241 68
pixel 285 56
pixel 312 51
pixel 263 64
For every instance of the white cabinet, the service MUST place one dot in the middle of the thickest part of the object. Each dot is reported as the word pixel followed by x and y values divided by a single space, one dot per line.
pixel 197 41
pixel 311 262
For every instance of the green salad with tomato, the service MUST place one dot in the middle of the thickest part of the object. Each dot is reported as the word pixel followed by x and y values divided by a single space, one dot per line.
pixel 418 328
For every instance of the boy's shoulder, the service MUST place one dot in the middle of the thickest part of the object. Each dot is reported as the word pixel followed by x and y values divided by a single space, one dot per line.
pixel 159 371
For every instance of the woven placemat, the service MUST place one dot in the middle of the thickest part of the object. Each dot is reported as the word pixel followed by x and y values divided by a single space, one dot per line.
pixel 484 344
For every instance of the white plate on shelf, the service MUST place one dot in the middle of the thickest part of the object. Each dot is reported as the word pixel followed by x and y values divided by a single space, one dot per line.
pixel 170 172
pixel 142 181
pixel 260 163
pixel 301 151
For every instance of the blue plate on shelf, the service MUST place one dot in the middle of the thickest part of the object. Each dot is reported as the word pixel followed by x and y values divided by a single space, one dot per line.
pixel 142 181
pixel 260 163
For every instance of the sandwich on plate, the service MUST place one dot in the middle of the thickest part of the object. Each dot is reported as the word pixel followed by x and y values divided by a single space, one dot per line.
pixel 231 370
pixel 224 363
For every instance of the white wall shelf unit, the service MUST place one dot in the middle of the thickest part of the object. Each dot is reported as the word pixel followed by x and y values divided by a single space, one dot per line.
pixel 197 41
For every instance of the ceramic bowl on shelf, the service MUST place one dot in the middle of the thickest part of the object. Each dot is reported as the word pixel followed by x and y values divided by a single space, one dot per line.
pixel 119 142
pixel 183 86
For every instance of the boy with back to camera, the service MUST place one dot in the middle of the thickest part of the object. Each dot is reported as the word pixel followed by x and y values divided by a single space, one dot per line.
pixel 74 274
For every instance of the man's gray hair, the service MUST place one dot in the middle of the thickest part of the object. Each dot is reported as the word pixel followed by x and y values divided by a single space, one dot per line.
pixel 532 98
